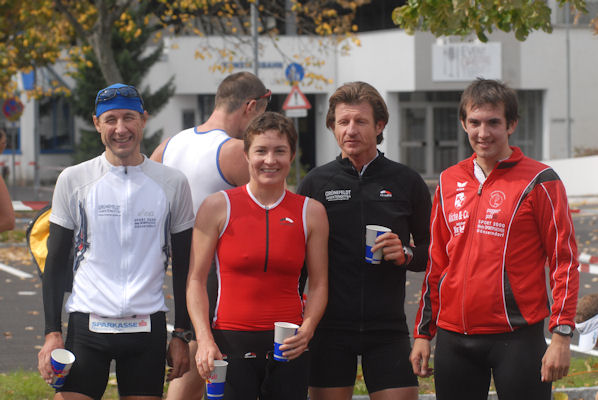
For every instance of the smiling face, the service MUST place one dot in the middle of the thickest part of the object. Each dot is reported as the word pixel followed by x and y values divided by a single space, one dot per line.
pixel 356 131
pixel 269 157
pixel 121 131
pixel 488 133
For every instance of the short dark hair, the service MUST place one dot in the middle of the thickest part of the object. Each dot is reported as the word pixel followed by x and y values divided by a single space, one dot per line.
pixel 235 89
pixel 490 91
pixel 357 93
pixel 271 121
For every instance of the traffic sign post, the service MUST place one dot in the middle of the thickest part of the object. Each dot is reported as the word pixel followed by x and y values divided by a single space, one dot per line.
pixel 12 109
pixel 296 100
pixel 296 106
pixel 294 73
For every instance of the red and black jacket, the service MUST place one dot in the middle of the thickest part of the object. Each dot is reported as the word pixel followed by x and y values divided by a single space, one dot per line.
pixel 490 244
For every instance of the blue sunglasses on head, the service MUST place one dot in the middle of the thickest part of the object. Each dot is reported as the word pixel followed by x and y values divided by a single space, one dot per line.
pixel 124 91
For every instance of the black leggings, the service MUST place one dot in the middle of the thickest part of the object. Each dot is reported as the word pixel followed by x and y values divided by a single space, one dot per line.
pixel 463 364
pixel 259 377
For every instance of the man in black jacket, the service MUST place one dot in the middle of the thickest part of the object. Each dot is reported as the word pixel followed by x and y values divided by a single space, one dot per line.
pixel 365 314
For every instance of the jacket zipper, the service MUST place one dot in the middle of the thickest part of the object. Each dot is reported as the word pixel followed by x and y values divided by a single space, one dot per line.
pixel 126 236
pixel 267 241
pixel 362 270
pixel 472 230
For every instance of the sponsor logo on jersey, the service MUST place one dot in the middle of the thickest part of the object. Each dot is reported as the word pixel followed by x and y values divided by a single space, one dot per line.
pixel 338 195
pixel 461 186
pixel 497 198
pixel 286 221
pixel 459 200
pixel 385 193
pixel 108 210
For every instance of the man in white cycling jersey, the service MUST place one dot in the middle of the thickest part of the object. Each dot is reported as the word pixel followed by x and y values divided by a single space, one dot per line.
pixel 125 216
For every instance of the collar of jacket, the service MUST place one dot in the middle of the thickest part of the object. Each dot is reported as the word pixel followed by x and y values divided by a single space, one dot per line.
pixel 510 162
pixel 348 167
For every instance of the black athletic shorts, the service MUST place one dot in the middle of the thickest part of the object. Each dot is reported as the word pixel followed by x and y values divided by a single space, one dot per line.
pixel 463 364
pixel 253 374
pixel 140 358
pixel 384 359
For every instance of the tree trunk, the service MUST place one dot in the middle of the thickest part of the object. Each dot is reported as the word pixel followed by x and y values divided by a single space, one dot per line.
pixel 101 40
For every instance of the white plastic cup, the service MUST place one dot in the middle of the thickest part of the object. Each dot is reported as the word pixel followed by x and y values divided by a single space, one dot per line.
pixel 216 381
pixel 282 330
pixel 62 360
pixel 371 233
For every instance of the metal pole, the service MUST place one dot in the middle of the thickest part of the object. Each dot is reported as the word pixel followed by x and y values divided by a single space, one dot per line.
pixel 568 69
pixel 290 19
pixel 35 138
pixel 254 15
pixel 297 155
pixel 13 138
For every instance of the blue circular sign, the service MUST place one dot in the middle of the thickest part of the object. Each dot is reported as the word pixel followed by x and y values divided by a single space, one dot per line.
pixel 294 72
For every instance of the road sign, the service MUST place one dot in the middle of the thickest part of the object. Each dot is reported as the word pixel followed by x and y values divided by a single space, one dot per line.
pixel 294 72
pixel 298 113
pixel 296 100
pixel 12 108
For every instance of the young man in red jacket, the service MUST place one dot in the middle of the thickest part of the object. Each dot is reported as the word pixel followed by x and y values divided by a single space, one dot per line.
pixel 498 218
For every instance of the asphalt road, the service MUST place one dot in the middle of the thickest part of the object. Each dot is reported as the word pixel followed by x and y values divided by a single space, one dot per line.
pixel 21 313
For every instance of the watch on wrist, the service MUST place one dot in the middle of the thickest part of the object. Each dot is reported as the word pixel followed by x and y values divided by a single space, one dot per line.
pixel 563 330
pixel 408 251
pixel 185 336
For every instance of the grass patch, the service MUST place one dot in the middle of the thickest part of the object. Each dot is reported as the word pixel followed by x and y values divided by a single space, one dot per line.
pixel 582 373
pixel 25 385
pixel 16 236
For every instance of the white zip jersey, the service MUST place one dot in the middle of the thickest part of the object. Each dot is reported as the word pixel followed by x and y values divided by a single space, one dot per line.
pixel 122 218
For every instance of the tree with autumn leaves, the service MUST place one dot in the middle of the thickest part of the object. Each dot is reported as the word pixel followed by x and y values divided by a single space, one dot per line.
pixel 35 33
pixel 480 17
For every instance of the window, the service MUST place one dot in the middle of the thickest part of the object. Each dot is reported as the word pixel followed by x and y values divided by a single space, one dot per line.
pixel 205 103
pixel 55 125
pixel 188 119
pixel 528 135
pixel 13 136
pixel 432 139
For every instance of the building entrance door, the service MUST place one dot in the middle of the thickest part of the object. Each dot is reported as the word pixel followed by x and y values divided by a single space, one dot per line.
pixel 431 137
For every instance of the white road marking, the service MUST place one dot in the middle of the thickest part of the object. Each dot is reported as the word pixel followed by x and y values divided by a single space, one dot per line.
pixel 15 272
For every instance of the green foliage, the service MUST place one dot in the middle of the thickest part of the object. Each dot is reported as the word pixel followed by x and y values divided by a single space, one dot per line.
pixel 463 17
pixel 89 146
pixel 14 236
pixel 134 63
pixel 583 372
pixel 26 385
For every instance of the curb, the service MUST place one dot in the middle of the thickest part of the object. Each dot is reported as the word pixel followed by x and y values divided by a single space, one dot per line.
pixel 18 205
pixel 588 263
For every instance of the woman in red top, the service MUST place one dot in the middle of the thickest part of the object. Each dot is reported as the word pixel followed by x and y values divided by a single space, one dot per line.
pixel 261 235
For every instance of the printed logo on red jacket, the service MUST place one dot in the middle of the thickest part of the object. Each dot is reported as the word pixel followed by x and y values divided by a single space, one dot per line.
pixel 460 197
pixel 497 198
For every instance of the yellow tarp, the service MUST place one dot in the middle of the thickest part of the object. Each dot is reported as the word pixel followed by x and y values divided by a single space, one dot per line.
pixel 38 237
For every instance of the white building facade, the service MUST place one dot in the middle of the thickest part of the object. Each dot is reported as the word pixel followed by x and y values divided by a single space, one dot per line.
pixel 420 77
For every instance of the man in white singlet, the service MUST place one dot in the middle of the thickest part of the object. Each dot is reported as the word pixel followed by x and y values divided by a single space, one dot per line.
pixel 211 155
